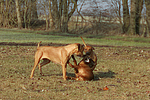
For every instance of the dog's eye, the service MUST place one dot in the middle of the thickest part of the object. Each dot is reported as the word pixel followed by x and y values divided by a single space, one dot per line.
pixel 85 49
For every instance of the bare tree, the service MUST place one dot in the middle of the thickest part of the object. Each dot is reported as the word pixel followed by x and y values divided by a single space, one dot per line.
pixel 147 3
pixel 18 14
pixel 67 14
pixel 132 17
pixel 55 13
pixel 139 7
pixel 1 12
pixel 60 12
pixel 6 16
pixel 126 17
pixel 34 9
pixel 50 15
pixel 44 5
pixel 116 8
pixel 136 8
pixel 25 13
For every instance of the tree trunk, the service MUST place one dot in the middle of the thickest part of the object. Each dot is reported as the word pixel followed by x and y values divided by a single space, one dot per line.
pixel 18 15
pixel 126 17
pixel 25 14
pixel 46 18
pixel 29 17
pixel 65 17
pixel 6 20
pixel 147 3
pixel 10 13
pixel 34 9
pixel 60 13
pixel 132 30
pixel 1 12
pixel 136 8
pixel 55 14
pixel 139 7
pixel 50 15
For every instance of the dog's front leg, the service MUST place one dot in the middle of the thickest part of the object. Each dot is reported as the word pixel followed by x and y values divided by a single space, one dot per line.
pixel 74 60
pixel 64 70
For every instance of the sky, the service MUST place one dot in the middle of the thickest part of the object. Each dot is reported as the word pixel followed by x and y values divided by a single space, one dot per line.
pixel 92 6
pixel 88 4
pixel 95 6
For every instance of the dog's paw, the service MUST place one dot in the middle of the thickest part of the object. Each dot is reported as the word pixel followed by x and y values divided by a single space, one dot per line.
pixel 32 78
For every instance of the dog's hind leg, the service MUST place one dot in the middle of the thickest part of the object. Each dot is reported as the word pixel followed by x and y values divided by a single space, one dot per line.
pixel 35 64
pixel 37 60
pixel 45 61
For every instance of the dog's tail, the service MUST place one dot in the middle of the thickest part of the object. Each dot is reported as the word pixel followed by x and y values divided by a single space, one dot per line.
pixel 39 44
pixel 83 41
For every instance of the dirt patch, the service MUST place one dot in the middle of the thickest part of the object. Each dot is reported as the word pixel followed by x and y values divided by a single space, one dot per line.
pixel 124 71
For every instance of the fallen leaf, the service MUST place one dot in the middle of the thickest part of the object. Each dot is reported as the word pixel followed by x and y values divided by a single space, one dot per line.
pixel 105 88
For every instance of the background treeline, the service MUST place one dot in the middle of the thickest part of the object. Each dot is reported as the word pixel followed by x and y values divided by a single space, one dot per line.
pixel 78 16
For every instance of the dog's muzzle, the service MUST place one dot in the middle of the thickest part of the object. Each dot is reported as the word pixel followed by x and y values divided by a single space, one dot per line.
pixel 87 53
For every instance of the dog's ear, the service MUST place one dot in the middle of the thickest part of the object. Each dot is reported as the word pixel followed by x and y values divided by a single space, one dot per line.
pixel 80 47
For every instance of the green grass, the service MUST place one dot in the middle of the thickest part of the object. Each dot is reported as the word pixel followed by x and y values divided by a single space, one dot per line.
pixel 64 38
pixel 124 70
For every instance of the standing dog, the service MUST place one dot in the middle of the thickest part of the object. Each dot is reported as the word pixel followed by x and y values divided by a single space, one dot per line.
pixel 90 53
pixel 60 55
pixel 83 71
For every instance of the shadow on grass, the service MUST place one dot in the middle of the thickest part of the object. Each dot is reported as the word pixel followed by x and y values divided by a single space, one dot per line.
pixel 97 75
pixel 68 74
pixel 109 74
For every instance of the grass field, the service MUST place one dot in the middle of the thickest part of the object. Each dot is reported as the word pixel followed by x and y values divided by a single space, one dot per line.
pixel 123 66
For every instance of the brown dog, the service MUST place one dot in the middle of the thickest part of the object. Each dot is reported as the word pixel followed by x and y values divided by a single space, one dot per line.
pixel 90 53
pixel 83 71
pixel 60 55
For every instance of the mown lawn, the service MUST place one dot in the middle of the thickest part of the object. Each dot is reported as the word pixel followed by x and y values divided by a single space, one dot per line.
pixel 124 69
pixel 26 36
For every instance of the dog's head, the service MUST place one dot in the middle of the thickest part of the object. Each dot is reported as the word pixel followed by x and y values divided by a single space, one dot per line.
pixel 80 50
pixel 87 49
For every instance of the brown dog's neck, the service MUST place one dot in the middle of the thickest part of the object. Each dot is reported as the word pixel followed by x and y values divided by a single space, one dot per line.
pixel 70 47
pixel 71 51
